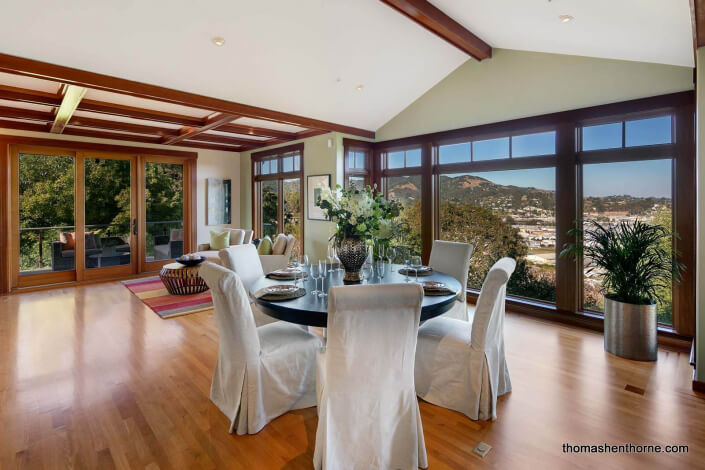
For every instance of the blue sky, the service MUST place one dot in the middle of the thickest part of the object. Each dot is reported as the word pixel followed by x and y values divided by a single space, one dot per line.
pixel 639 179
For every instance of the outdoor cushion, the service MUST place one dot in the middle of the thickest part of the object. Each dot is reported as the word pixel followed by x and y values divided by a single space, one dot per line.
pixel 68 240
pixel 177 234
pixel 279 245
pixel 220 240
pixel 265 246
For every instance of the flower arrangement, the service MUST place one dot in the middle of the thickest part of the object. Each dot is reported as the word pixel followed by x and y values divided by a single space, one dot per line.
pixel 359 213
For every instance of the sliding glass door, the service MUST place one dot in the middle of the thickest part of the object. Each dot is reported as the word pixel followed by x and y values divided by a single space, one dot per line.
pixel 109 210
pixel 95 215
pixel 162 224
pixel 46 214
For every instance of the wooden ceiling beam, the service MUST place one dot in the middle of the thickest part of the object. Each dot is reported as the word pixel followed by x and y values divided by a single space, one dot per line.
pixel 27 114
pixel 72 96
pixel 145 139
pixel 212 122
pixel 24 95
pixel 223 139
pixel 434 20
pixel 57 73
pixel 256 131
pixel 200 145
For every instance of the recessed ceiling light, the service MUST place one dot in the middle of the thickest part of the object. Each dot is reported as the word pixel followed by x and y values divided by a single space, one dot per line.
pixel 218 41
pixel 565 18
pixel 360 87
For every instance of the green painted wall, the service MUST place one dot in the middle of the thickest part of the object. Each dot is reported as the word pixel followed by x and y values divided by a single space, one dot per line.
pixel 319 159
pixel 514 84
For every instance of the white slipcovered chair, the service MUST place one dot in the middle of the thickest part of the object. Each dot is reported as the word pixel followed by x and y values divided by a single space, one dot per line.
pixel 453 258
pixel 245 262
pixel 368 416
pixel 261 373
pixel 461 365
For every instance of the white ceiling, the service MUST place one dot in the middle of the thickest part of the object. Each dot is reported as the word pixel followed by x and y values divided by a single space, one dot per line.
pixel 307 56
pixel 641 30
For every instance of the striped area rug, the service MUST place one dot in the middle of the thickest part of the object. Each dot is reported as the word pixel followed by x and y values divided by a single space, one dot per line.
pixel 152 292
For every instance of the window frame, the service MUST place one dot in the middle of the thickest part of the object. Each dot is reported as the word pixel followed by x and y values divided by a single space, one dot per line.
pixel 567 161
pixel 367 148
pixel 276 154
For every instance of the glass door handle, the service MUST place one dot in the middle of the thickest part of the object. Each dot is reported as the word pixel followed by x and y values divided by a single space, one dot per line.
pixel 134 226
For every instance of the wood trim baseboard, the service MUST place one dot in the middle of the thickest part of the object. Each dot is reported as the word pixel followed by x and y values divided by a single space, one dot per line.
pixel 698 386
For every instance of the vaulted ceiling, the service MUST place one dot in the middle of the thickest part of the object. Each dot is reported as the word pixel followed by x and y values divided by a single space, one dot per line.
pixel 353 63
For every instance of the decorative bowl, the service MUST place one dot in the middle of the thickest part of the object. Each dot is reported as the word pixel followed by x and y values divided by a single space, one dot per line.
pixel 190 262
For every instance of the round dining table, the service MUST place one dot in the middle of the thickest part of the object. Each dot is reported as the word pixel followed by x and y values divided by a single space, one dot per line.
pixel 312 310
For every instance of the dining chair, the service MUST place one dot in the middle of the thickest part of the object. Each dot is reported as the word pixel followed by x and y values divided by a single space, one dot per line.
pixel 261 373
pixel 461 365
pixel 368 414
pixel 453 258
pixel 244 260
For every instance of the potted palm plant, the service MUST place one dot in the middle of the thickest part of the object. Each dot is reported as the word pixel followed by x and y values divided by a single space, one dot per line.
pixel 637 264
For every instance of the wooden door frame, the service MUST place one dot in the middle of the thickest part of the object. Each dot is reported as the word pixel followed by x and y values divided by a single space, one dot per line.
pixel 9 204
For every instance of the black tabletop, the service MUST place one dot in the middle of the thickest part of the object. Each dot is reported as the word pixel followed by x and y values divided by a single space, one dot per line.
pixel 313 310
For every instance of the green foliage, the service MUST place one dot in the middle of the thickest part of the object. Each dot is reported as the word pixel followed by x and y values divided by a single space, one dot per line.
pixel 46 190
pixel 635 261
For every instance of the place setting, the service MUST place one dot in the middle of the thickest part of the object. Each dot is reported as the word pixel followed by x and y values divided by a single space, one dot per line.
pixel 280 292
pixel 436 288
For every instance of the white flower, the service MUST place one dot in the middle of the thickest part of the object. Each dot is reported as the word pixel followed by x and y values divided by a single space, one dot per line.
pixel 335 219
pixel 385 229
pixel 353 220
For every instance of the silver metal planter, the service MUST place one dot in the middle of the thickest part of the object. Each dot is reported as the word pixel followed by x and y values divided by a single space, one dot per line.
pixel 630 330
pixel 352 253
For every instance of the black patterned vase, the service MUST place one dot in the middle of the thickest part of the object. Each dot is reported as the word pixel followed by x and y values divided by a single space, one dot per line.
pixel 352 253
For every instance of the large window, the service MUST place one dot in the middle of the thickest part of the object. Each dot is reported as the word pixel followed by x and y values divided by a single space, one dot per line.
pixel 358 161
pixel 627 190
pixel 517 188
pixel 406 190
pixel 504 213
pixel 277 191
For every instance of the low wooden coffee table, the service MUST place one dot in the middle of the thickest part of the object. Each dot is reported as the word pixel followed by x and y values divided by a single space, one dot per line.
pixel 182 280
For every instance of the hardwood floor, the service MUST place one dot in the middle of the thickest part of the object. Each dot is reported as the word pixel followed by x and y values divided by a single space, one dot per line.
pixel 90 378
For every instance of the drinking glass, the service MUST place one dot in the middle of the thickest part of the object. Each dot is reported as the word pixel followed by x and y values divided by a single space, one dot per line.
pixel 295 264
pixel 315 275
pixel 391 253
pixel 406 265
pixel 382 268
pixel 303 264
pixel 415 264
pixel 367 272
pixel 322 270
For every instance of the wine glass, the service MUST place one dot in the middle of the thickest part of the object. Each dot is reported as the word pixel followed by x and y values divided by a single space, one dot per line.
pixel 382 268
pixel 295 264
pixel 391 253
pixel 322 270
pixel 415 264
pixel 315 275
pixel 367 272
pixel 303 265
pixel 406 265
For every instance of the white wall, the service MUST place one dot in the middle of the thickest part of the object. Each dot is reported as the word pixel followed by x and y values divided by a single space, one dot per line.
pixel 210 163
pixel 216 164
pixel 514 84
pixel 700 238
